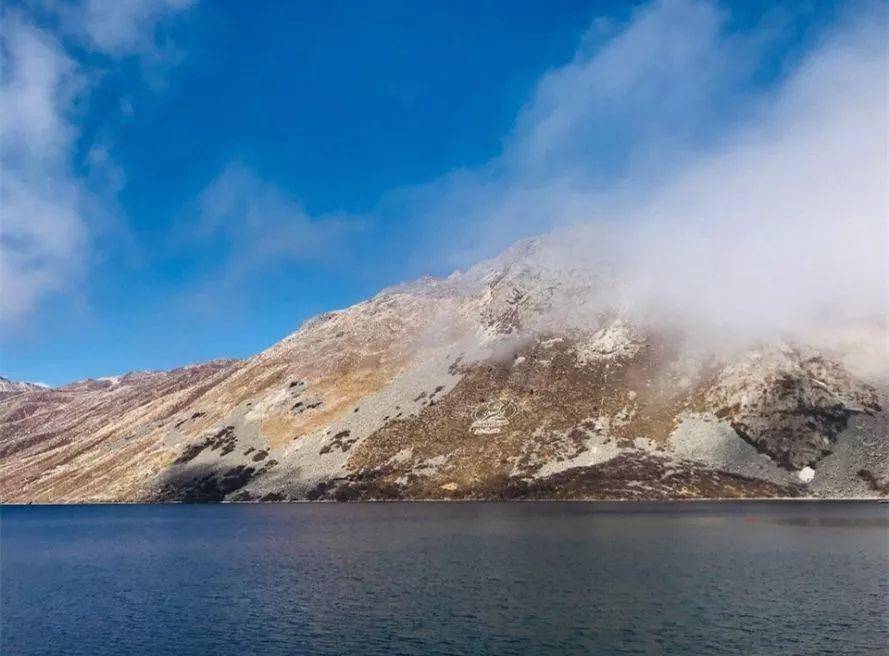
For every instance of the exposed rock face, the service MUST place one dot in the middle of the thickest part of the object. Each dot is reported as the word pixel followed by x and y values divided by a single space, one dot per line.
pixel 789 405
pixel 511 380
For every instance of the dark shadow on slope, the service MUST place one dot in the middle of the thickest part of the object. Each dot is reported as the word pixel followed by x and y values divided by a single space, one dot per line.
pixel 207 483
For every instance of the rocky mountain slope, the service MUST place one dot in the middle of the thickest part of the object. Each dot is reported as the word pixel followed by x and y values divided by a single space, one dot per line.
pixel 12 387
pixel 514 380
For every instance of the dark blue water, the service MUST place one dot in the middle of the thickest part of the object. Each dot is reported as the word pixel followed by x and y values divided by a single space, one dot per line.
pixel 532 578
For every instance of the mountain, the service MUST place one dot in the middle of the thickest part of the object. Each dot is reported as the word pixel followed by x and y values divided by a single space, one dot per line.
pixel 512 380
pixel 12 387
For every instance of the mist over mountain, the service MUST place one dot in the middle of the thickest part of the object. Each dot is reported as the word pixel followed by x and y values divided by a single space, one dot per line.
pixel 777 229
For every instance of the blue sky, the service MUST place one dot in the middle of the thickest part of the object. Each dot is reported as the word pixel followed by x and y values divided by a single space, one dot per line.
pixel 190 180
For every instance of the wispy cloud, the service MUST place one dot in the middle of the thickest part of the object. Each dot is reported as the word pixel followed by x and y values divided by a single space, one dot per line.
pixel 43 235
pixel 241 230
pixel 257 225
pixel 52 206
pixel 637 103
pixel 122 27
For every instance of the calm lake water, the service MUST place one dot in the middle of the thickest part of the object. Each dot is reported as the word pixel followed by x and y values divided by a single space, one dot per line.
pixel 479 578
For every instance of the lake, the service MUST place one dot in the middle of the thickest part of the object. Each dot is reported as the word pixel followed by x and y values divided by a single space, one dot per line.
pixel 446 578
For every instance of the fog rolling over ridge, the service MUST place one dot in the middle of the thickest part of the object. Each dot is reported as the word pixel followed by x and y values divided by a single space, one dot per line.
pixel 778 228
pixel 783 230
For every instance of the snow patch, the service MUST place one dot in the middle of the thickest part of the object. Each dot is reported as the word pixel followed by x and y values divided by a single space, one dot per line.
pixel 806 474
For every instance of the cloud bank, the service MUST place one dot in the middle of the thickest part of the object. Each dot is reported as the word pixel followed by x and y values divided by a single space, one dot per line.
pixel 783 228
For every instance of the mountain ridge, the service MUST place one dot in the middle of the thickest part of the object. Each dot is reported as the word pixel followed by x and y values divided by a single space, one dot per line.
pixel 10 387
pixel 525 377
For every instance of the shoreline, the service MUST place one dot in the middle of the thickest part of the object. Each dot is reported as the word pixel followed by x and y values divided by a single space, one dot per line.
pixel 879 500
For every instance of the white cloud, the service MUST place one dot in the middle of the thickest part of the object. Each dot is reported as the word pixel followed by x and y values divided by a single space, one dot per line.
pixel 48 213
pixel 42 234
pixel 784 227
